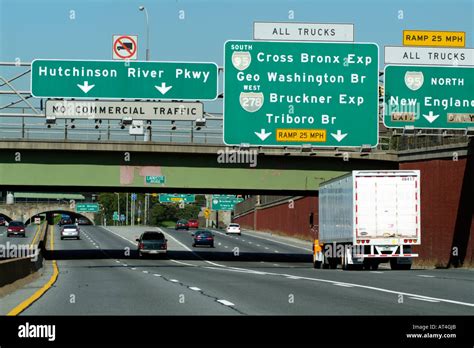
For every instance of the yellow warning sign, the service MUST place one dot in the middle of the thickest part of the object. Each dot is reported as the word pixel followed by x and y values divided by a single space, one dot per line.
pixel 176 199
pixel 434 38
pixel 303 135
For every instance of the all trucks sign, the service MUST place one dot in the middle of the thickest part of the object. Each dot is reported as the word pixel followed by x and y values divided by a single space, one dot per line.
pixel 429 97
pixel 123 80
pixel 295 93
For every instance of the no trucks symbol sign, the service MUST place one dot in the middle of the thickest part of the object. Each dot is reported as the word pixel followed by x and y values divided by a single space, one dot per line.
pixel 125 47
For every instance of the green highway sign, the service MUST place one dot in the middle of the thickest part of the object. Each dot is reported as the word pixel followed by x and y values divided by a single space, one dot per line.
pixel 224 203
pixel 172 198
pixel 298 93
pixel 123 79
pixel 155 179
pixel 87 207
pixel 432 97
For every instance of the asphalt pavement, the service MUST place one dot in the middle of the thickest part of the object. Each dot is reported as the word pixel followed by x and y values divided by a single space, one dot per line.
pixel 248 274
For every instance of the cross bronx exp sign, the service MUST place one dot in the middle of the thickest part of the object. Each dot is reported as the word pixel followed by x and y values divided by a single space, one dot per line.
pixel 294 93
pixel 123 80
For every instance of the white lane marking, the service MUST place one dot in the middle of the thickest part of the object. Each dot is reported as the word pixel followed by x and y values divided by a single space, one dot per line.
pixel 292 277
pixel 343 284
pixel 245 270
pixel 145 271
pixel 125 265
pixel 182 263
pixel 117 261
pixel 276 241
pixel 258 245
pixel 276 251
pixel 425 276
pixel 133 268
pixel 97 247
pixel 174 280
pixel 219 244
pixel 194 288
pixel 225 246
pixel 266 248
pixel 376 272
pixel 226 303
pixel 423 299
pixel 157 275
pixel 250 242
pixel 276 264
pixel 118 235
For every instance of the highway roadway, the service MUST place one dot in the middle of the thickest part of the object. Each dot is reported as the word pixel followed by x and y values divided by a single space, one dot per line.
pixel 249 275
pixel 32 233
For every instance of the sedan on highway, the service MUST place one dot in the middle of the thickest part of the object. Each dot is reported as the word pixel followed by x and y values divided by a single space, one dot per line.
pixel 70 231
pixel 233 228
pixel 16 228
pixel 152 243
pixel 182 225
pixel 193 223
pixel 203 237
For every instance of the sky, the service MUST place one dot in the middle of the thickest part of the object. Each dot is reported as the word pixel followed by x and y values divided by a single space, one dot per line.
pixel 196 30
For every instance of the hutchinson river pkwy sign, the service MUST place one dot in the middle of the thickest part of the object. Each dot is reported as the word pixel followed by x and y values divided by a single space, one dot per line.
pixel 295 93
pixel 123 80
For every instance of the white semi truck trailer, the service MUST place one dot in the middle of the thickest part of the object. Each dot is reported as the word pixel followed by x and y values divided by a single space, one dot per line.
pixel 369 217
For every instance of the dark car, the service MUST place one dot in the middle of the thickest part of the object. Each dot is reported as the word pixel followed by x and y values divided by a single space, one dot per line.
pixel 203 237
pixel 83 221
pixel 182 225
pixel 2 221
pixel 152 243
pixel 193 223
pixel 65 221
pixel 16 228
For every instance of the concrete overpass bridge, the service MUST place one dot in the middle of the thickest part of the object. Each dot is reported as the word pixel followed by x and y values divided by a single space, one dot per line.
pixel 27 211
pixel 123 166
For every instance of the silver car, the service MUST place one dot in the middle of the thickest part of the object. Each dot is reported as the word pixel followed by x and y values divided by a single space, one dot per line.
pixel 70 231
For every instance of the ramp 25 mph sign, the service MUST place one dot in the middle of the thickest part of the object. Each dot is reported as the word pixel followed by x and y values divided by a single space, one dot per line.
pixel 294 93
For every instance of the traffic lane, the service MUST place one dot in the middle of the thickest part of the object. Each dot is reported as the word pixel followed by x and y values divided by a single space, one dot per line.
pixel 423 282
pixel 31 231
pixel 110 286
pixel 267 243
pixel 268 293
pixel 233 248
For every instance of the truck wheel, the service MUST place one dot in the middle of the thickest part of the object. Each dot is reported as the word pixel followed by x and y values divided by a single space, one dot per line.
pixel 317 264
pixel 332 263
pixel 374 266
pixel 399 267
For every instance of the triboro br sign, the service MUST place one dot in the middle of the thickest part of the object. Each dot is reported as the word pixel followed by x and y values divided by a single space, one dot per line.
pixel 123 80
pixel 297 93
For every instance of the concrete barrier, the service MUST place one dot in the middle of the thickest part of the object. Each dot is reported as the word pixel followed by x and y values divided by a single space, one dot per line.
pixel 12 270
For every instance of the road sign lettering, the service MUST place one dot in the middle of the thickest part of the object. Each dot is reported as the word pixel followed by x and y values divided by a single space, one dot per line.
pixel 303 135
pixel 325 86
pixel 291 31
pixel 429 97
pixel 116 80
pixel 169 198
pixel 155 179
pixel 434 38
pixel 429 56
pixel 117 110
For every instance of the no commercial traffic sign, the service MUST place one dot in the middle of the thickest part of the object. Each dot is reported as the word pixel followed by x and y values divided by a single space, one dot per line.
pixel 295 93
pixel 125 47
pixel 123 80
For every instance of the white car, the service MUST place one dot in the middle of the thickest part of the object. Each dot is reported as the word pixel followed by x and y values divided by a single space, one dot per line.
pixel 233 228
pixel 70 231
